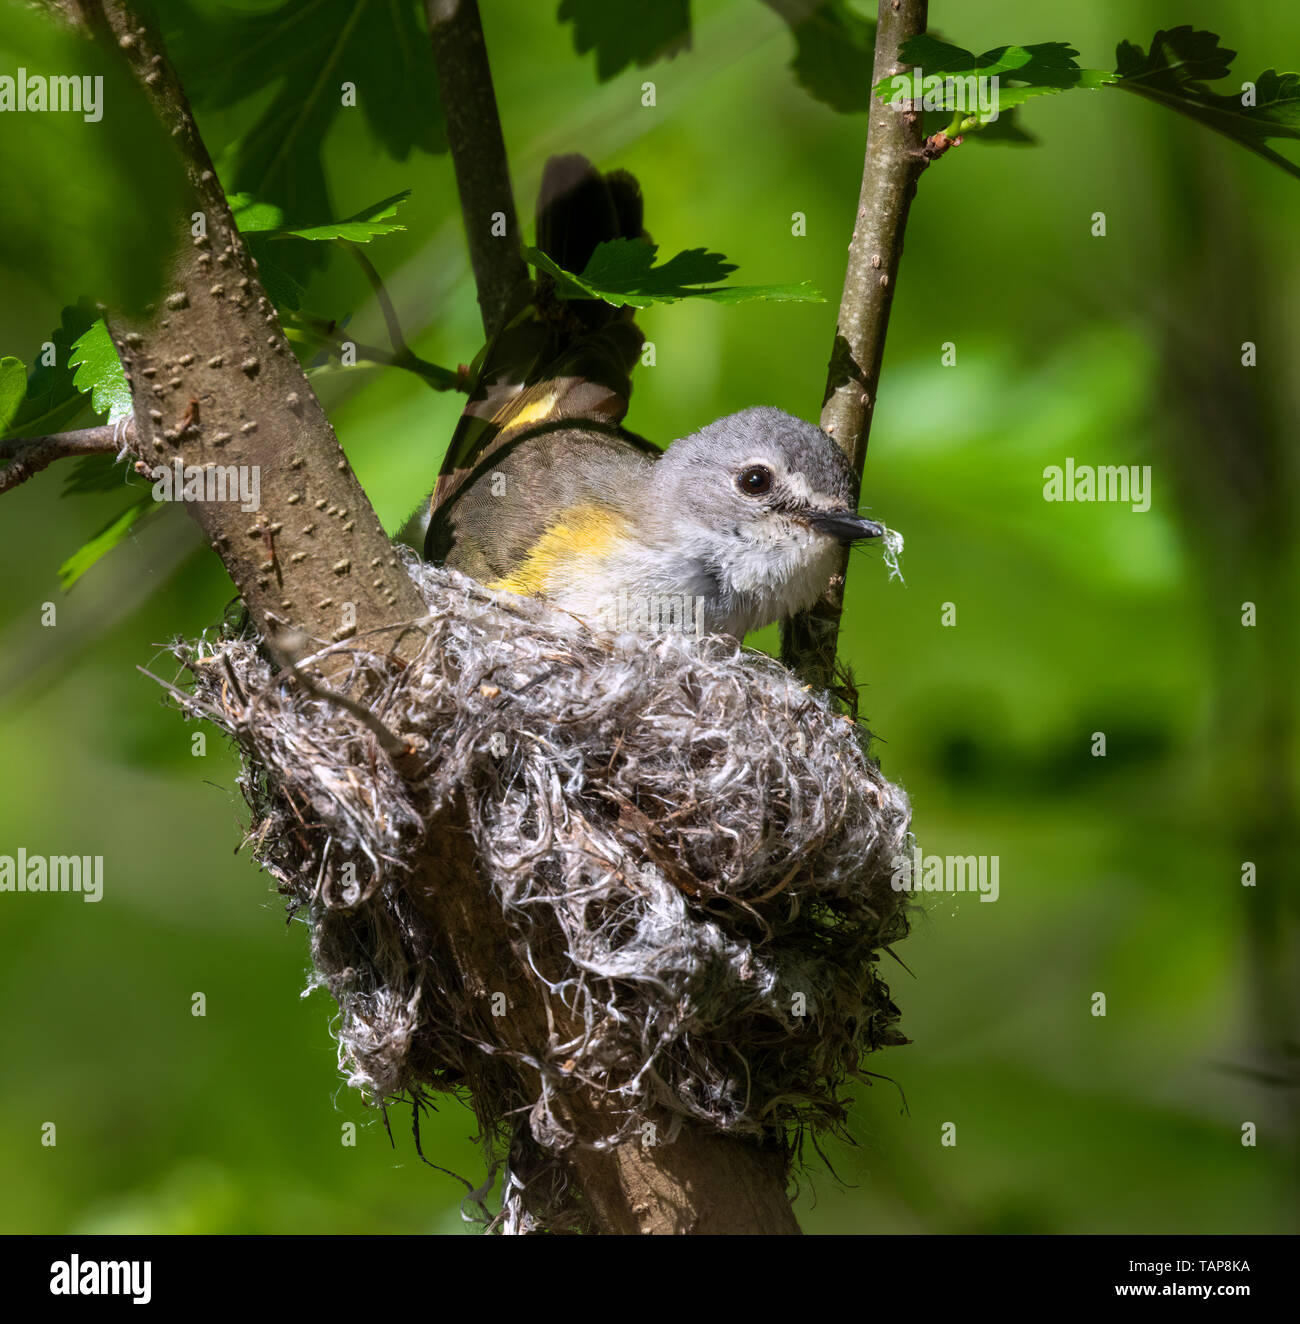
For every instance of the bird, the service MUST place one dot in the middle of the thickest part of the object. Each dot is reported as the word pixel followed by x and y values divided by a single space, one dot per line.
pixel 544 493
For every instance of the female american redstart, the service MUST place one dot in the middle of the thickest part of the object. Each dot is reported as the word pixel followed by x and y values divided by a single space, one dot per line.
pixel 543 492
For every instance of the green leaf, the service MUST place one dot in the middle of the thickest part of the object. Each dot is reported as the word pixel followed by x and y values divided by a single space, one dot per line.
pixel 253 216
pixel 1174 71
pixel 358 229
pixel 1276 113
pixel 283 288
pixel 623 271
pixel 292 57
pixel 13 386
pixel 834 49
pixel 1049 63
pixel 1182 54
pixel 624 32
pixel 89 203
pixel 1023 72
pixel 51 399
pixel 262 225
pixel 99 371
pixel 115 531
pixel 258 222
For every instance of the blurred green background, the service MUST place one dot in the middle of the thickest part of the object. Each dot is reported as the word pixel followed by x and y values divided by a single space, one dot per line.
pixel 1119 875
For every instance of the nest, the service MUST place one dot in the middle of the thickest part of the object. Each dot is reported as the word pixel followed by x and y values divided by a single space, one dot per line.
pixel 691 852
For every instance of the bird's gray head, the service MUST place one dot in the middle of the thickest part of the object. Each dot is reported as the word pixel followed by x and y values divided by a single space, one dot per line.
pixel 760 501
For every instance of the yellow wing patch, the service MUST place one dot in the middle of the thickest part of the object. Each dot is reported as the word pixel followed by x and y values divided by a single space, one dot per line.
pixel 580 532
pixel 519 413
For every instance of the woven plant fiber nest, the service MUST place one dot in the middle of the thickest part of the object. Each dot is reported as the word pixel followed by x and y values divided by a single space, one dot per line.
pixel 692 852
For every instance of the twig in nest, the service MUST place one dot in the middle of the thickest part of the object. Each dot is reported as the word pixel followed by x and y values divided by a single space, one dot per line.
pixel 402 751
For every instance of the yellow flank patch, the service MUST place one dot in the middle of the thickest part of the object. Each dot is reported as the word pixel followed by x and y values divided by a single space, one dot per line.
pixel 578 533
pixel 535 411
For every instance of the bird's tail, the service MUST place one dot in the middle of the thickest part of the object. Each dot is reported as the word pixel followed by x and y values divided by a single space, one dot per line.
pixel 554 362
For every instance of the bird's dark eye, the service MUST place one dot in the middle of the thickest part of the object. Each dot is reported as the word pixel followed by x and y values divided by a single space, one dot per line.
pixel 755 480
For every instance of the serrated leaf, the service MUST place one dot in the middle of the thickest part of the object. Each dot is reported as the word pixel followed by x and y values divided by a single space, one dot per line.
pixel 13 386
pixel 1180 55
pixel 834 49
pixel 623 271
pixel 624 32
pixel 834 52
pixel 269 241
pixel 117 530
pixel 1022 73
pixel 293 56
pixel 358 229
pixel 1277 104
pixel 628 265
pixel 99 371
pixel 1174 72
pixel 353 233
pixel 51 399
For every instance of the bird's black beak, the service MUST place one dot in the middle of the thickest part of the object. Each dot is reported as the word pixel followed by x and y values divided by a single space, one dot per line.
pixel 844 525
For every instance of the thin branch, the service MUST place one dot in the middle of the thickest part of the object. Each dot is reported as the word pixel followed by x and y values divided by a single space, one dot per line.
pixel 385 303
pixel 403 356
pixel 381 295
pixel 441 379
pixel 218 341
pixel 478 151
pixel 331 336
pixel 403 753
pixel 894 160
pixel 23 457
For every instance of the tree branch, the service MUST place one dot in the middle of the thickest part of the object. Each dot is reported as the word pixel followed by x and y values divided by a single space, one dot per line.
pixel 23 457
pixel 314 559
pixel 213 380
pixel 431 374
pixel 478 152
pixel 894 161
